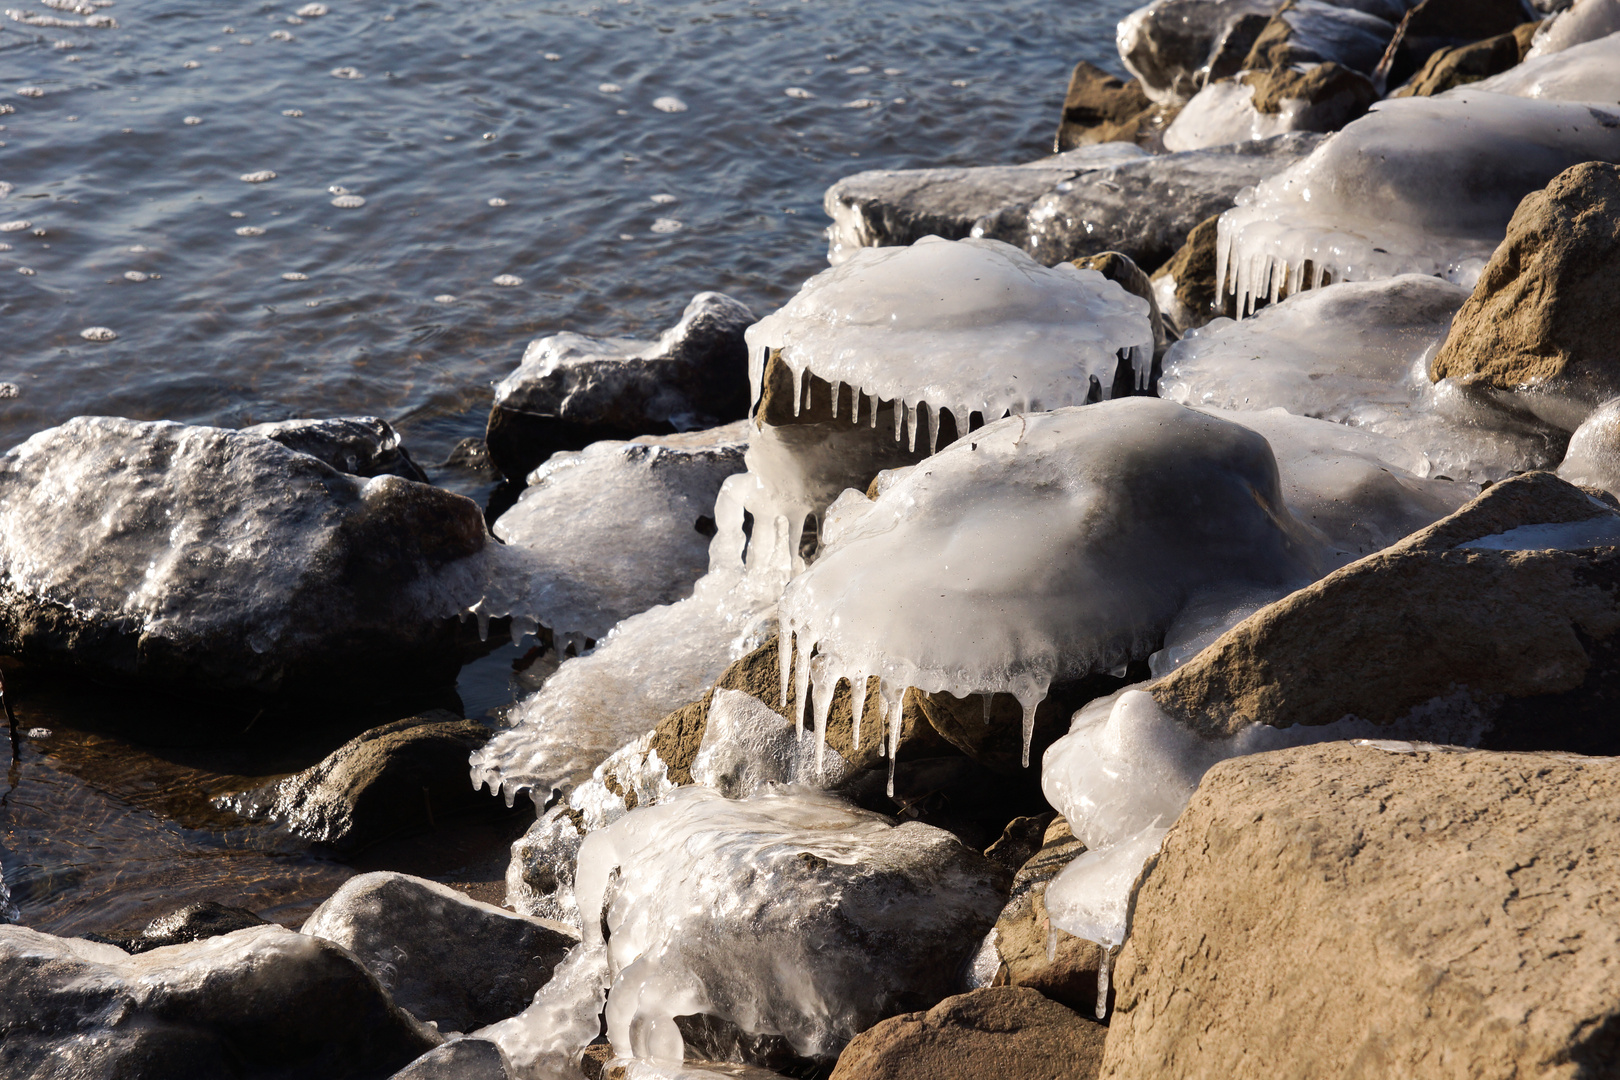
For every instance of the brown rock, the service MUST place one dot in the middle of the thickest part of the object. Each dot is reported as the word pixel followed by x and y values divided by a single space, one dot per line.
pixel 1098 108
pixel 1529 639
pixel 1335 94
pixel 1543 312
pixel 1460 65
pixel 775 406
pixel 1036 954
pixel 1444 24
pixel 1339 910
pixel 1003 1031
pixel 1192 269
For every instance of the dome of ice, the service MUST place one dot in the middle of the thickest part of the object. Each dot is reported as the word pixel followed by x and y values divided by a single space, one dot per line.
pixel 1589 71
pixel 1418 185
pixel 1040 548
pixel 973 326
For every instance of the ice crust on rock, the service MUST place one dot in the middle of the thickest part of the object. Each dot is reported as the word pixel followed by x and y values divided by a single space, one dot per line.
pixel 1589 71
pixel 1586 20
pixel 1357 353
pixel 361 445
pixel 1168 44
pixel 791 914
pixel 1223 112
pixel 1593 459
pixel 1036 549
pixel 973 326
pixel 1418 185
pixel 747 746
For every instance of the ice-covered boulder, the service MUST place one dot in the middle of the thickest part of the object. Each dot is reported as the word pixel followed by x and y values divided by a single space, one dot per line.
pixel 1040 548
pixel 1006 1031
pixel 401 777
pixel 362 445
pixel 211 561
pixel 1172 45
pixel 1539 324
pixel 1589 71
pixel 1418 185
pixel 1594 450
pixel 1580 22
pixel 258 1003
pixel 1352 33
pixel 1397 908
pixel 1274 101
pixel 571 390
pixel 207 918
pixel 443 956
pixel 1433 26
pixel 1185 287
pixel 614 529
pixel 459 1059
pixel 1358 353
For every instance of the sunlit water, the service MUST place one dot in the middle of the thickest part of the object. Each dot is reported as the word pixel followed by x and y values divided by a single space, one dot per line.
pixel 371 210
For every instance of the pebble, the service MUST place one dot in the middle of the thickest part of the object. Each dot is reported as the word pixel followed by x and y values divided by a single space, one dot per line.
pixel 798 92
pixel 349 202
pixel 444 298
pixel 250 230
pixel 260 177
pixel 347 73
pixel 37 732
pixel 25 271
pixel 97 333
pixel 664 200
pixel 312 11
pixel 667 225
pixel 280 35
pixel 191 65
pixel 507 281
pixel 669 104
pixel 293 275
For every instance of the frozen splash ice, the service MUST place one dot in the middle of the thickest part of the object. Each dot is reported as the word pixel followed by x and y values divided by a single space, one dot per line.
pixel 1585 20
pixel 1594 450
pixel 973 326
pixel 747 745
pixel 1039 548
pixel 1418 185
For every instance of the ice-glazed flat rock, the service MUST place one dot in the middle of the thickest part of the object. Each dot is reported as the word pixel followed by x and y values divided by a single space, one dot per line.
pixel 1418 185
pixel 1358 353
pixel 1169 44
pixel 965 325
pixel 1039 549
pixel 260 1002
pixel 211 560
pixel 791 915
pixel 1593 459
pixel 1589 71
pixel 1585 20
pixel 362 445
pixel 606 532
pixel 571 390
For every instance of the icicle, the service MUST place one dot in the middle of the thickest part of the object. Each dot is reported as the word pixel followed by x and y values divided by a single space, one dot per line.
pixel 822 685
pixel 895 710
pixel 899 416
pixel 933 430
pixel 801 674
pixel 1030 690
pixel 798 389
pixel 483 625
pixel 784 656
pixel 911 426
pixel 1102 986
pixel 987 699
pixel 854 404
pixel 857 705
pixel 836 387
pixel 809 388
pixel 877 403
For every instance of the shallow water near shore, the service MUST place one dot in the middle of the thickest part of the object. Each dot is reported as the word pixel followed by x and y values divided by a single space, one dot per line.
pixel 613 158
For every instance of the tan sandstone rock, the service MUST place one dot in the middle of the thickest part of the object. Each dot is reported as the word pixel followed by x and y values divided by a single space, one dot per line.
pixel 1543 313
pixel 1100 108
pixel 1339 910
pixel 1460 65
pixel 1033 952
pixel 1333 94
pixel 1003 1031
pixel 1189 300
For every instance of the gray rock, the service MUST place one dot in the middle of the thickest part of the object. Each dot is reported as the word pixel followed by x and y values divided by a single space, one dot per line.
pixel 444 957
pixel 462 1059
pixel 259 1003
pixel 406 776
pixel 190 923
pixel 216 562
pixel 572 390
pixel 361 445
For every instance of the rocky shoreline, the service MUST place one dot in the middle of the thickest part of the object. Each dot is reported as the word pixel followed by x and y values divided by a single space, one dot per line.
pixel 1153 610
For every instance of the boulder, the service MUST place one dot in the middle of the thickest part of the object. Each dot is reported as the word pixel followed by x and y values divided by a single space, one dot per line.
pixel 262 1002
pixel 1099 108
pixel 1354 35
pixel 1173 45
pixel 1033 952
pixel 571 390
pixel 445 958
pixel 190 923
pixel 1003 1031
pixel 215 562
pixel 460 1059
pixel 1541 317
pixel 1364 910
pixel 618 527
pixel 406 776
pixel 1511 602
pixel 360 445
pixel 1460 65
pixel 1185 287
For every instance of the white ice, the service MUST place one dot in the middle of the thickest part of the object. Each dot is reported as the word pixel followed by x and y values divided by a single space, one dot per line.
pixel 1600 531
pixel 1589 71
pixel 1593 459
pixel 1418 185
pixel 747 746
pixel 1040 548
pixel 1585 20
pixel 1223 112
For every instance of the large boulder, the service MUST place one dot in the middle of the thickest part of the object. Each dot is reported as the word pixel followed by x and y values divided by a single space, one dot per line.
pixel 218 562
pixel 444 957
pixel 406 776
pixel 1003 1031
pixel 460 1059
pixel 1173 45
pixel 205 919
pixel 1367 910
pixel 1185 287
pixel 571 390
pixel 263 1002
pixel 362 445
pixel 1435 25
pixel 1541 317
pixel 1352 34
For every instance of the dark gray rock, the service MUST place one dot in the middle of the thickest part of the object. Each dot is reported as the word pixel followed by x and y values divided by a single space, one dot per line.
pixel 190 923
pixel 259 1003
pixel 446 958
pixel 361 445
pixel 406 776
pixel 461 1059
pixel 210 561
pixel 572 390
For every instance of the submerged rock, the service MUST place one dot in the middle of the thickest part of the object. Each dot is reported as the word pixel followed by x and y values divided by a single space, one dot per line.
pixel 1389 907
pixel 405 776
pixel 361 445
pixel 258 1003
pixel 1539 323
pixel 211 561
pixel 190 923
pixel 572 390
pixel 444 957
pixel 1004 1031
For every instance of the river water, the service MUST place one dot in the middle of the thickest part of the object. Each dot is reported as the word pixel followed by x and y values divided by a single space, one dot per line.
pixel 604 161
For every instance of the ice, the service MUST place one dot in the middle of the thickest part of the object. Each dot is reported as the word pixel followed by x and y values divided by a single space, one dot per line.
pixel 1589 71
pixel 1358 353
pixel 544 1041
pixel 1223 112
pixel 965 325
pixel 1600 531
pixel 1041 548
pixel 1418 185
pixel 8 910
pixel 1593 459
pixel 748 746
pixel 1090 897
pixel 1586 20
pixel 1354 33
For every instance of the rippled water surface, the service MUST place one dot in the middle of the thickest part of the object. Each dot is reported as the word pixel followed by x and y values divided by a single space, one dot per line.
pixel 281 215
